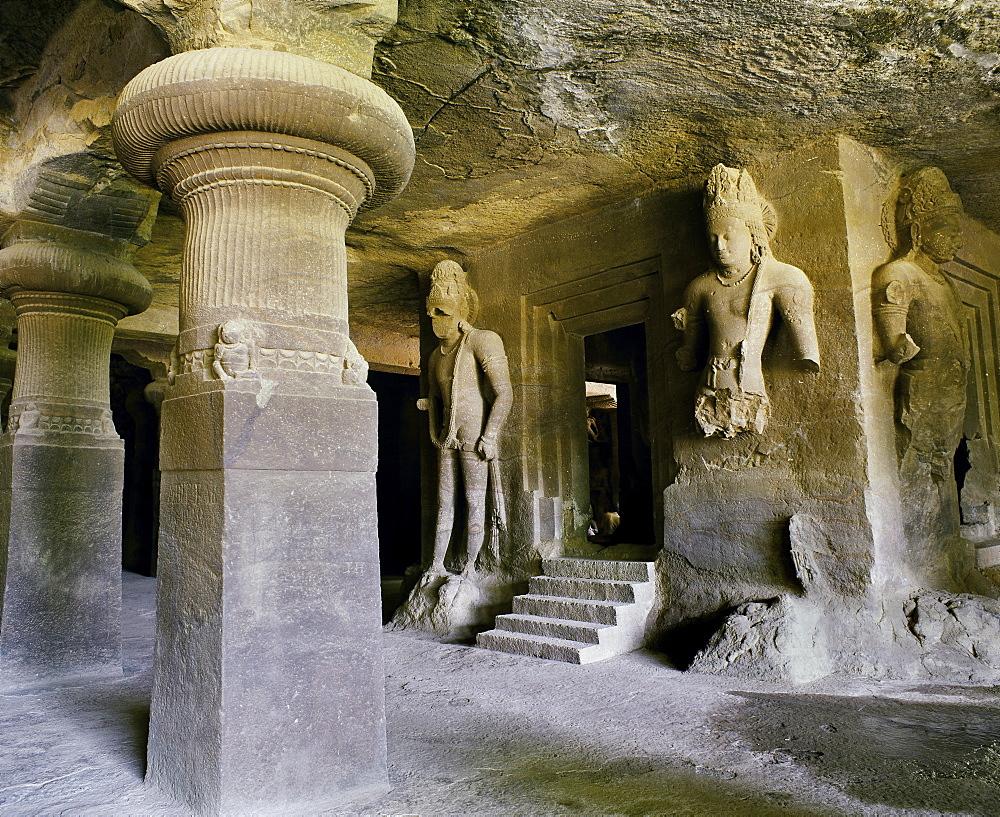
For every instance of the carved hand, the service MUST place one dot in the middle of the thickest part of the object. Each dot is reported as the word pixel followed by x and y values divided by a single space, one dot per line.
pixel 486 448
pixel 905 349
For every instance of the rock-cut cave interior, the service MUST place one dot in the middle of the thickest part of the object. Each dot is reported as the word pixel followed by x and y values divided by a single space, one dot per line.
pixel 552 407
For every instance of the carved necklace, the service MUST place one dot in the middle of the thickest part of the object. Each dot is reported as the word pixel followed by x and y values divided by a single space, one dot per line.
pixel 737 282
pixel 457 345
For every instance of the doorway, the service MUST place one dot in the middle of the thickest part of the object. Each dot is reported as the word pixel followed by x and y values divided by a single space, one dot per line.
pixel 397 482
pixel 619 447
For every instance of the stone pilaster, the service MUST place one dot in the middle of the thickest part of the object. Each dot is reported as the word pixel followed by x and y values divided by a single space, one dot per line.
pixel 60 459
pixel 268 682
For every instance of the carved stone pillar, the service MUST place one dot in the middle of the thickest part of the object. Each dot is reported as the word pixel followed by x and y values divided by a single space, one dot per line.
pixel 268 682
pixel 61 460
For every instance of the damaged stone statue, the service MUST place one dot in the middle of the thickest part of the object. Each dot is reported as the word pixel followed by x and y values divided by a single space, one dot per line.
pixel 918 315
pixel 735 302
pixel 468 402
pixel 470 397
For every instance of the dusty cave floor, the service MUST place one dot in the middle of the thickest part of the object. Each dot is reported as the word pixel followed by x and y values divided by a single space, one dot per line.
pixel 479 733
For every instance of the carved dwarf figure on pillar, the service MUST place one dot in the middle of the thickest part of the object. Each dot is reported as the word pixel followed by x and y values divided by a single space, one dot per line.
pixel 918 315
pixel 469 400
pixel 736 301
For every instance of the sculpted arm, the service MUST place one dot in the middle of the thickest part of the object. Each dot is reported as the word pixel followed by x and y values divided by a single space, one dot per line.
pixel 493 359
pixel 690 320
pixel 220 372
pixel 430 403
pixel 891 297
pixel 795 305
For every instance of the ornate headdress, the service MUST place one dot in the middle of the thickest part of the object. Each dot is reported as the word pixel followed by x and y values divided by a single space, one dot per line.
pixel 731 193
pixel 450 290
pixel 922 195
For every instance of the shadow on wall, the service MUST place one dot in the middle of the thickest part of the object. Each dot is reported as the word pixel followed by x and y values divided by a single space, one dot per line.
pixel 903 754
pixel 685 641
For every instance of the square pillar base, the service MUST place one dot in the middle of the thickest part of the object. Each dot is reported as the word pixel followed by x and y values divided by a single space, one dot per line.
pixel 60 557
pixel 268 684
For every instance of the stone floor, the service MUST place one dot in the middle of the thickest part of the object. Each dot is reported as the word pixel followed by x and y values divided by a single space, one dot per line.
pixel 478 733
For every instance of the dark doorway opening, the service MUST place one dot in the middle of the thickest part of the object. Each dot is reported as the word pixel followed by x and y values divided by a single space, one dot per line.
pixel 397 482
pixel 619 446
pixel 138 426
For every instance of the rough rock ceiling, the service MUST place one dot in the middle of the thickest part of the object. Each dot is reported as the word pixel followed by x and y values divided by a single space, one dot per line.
pixel 529 112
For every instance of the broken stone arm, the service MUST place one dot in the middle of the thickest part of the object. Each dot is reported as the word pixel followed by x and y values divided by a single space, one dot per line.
pixel 431 403
pixel 795 305
pixel 688 320
pixel 891 308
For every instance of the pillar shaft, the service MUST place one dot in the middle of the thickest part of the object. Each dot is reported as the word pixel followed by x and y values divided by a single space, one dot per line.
pixel 61 465
pixel 61 460
pixel 268 681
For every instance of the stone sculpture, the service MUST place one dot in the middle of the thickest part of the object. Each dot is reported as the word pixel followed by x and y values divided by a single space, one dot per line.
pixel 470 397
pixel 232 354
pixel 735 302
pixel 919 316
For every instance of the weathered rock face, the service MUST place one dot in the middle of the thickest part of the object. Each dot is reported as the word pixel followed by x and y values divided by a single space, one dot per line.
pixel 565 106
pixel 570 105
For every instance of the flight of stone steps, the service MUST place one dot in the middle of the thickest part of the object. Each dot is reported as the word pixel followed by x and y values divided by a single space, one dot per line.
pixel 579 611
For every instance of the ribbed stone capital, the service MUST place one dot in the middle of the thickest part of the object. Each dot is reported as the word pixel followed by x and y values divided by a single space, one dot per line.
pixel 266 215
pixel 61 384
pixel 224 90
pixel 50 258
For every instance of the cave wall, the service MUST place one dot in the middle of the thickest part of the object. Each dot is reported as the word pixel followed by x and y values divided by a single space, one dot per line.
pixel 543 292
pixel 810 507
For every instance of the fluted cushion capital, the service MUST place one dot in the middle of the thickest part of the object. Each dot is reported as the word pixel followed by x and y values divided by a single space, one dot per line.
pixel 51 267
pixel 219 90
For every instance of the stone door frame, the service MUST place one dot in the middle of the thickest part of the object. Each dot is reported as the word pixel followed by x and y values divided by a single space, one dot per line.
pixel 554 321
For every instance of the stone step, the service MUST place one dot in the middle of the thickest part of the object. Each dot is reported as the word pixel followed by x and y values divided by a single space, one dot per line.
pixel 583 631
pixel 607 569
pixel 596 589
pixel 598 612
pixel 554 649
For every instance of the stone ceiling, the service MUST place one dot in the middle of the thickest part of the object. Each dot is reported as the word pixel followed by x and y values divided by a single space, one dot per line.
pixel 529 112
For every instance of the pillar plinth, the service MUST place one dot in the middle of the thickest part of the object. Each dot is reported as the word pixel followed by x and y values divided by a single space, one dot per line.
pixel 61 460
pixel 268 687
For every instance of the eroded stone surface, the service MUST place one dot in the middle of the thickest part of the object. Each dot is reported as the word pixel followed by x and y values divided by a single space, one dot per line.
pixel 469 398
pixel 734 304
